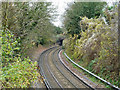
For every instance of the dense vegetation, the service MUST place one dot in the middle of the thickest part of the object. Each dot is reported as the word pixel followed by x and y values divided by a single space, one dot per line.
pixel 97 47
pixel 24 25
pixel 16 72
pixel 29 21
pixel 73 13
pixel 91 28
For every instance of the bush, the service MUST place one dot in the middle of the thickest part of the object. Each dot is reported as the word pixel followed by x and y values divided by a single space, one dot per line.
pixel 98 45
pixel 16 72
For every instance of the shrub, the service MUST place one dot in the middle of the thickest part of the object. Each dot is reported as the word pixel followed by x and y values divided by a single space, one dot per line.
pixel 16 72
pixel 98 44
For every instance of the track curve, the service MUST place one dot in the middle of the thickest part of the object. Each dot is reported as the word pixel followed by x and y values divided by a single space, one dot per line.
pixel 55 73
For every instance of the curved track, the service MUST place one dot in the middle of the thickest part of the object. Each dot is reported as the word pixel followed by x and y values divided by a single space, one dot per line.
pixel 55 73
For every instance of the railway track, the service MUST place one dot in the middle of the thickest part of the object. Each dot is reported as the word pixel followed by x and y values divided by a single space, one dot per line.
pixel 56 75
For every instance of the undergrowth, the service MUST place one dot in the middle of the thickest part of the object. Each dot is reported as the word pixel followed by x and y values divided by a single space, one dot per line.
pixel 15 72
pixel 92 78
pixel 97 48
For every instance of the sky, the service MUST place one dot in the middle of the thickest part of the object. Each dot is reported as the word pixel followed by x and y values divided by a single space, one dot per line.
pixel 62 4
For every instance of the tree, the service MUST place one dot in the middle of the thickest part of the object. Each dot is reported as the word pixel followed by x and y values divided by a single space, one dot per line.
pixel 98 47
pixel 58 30
pixel 30 21
pixel 77 9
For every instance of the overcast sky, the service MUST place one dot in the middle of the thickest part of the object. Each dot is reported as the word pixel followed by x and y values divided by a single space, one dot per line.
pixel 61 5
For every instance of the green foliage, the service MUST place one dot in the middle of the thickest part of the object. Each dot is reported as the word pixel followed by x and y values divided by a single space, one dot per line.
pixel 58 30
pixel 98 45
pixel 77 9
pixel 19 74
pixel 9 48
pixel 92 62
pixel 16 72
pixel 30 21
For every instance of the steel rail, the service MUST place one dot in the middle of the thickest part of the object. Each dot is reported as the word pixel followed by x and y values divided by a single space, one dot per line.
pixel 47 84
pixel 42 72
pixel 75 73
pixel 51 72
pixel 113 86
pixel 53 59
